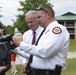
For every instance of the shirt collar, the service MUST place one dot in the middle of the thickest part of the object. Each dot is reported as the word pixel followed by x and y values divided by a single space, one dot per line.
pixel 38 30
pixel 52 24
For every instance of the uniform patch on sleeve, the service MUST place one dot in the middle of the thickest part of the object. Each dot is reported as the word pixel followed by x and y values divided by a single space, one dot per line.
pixel 56 30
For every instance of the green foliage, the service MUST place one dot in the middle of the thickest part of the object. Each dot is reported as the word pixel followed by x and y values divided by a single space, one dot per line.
pixel 32 5
pixel 1 23
pixel 9 29
pixel 20 23
pixel 27 5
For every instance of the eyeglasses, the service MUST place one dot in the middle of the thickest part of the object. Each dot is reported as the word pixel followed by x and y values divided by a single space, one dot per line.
pixel 41 9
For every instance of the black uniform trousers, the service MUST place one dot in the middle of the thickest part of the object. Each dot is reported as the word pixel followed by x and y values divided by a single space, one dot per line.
pixel 41 72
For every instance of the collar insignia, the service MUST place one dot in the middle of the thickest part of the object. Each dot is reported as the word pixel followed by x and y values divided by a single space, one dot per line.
pixel 46 31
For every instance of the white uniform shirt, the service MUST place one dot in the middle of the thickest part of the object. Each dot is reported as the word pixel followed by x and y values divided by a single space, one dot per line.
pixel 52 48
pixel 27 38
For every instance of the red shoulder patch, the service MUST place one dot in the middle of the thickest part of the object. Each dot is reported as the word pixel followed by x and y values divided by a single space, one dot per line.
pixel 56 30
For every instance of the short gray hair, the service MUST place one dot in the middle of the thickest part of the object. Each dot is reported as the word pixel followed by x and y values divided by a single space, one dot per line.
pixel 34 13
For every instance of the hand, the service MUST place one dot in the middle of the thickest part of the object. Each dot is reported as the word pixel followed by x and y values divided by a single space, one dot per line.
pixel 17 40
pixel 24 68
pixel 1 69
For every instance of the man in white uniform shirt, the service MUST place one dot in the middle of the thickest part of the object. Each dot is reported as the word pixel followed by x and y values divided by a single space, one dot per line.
pixel 49 56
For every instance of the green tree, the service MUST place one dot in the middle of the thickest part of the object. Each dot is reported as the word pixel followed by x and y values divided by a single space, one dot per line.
pixel 27 5
pixel 9 29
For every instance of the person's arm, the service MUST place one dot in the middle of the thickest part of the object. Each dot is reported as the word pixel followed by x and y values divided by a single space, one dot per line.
pixel 24 68
pixel 24 64
pixel 21 53
pixel 3 68
pixel 23 60
pixel 49 44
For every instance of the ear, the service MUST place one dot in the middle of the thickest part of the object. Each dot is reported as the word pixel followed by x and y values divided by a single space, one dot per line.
pixel 48 14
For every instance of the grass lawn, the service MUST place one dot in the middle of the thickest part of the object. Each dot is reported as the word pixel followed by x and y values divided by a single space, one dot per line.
pixel 72 46
pixel 19 71
pixel 71 67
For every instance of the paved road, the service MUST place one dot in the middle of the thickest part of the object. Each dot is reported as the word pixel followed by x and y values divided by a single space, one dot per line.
pixel 70 56
pixel 17 60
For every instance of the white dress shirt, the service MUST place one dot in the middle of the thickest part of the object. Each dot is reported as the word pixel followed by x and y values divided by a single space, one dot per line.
pixel 27 38
pixel 52 48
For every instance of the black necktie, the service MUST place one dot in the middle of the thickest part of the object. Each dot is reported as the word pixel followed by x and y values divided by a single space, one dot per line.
pixel 40 36
pixel 33 42
pixel 31 56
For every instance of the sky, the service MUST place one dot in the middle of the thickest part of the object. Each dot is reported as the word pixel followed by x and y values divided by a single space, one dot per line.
pixel 9 9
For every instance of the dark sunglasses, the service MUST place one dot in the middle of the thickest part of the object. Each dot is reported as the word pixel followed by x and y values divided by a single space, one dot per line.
pixel 42 9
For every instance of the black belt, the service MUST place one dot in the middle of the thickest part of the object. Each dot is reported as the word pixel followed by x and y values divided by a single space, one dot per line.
pixel 42 71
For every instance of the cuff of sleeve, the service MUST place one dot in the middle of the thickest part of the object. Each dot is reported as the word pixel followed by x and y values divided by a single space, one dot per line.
pixel 24 62
pixel 16 50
